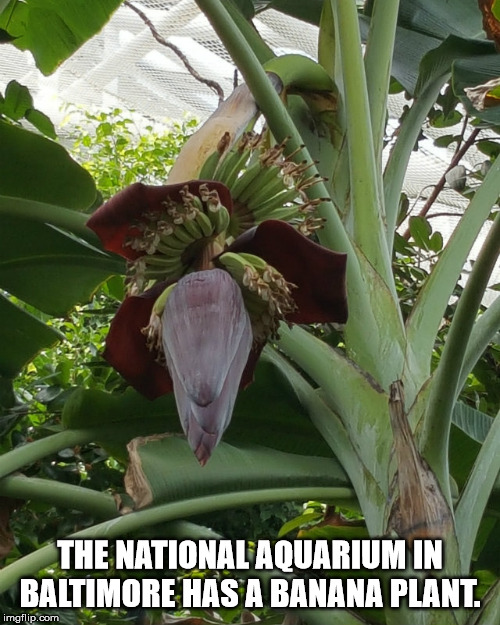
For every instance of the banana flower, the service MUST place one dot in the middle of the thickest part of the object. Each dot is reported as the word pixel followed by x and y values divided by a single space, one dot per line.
pixel 201 304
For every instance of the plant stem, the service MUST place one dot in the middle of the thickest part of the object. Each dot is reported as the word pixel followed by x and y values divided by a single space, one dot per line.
pixel 437 421
pixel 397 164
pixel 327 41
pixel 367 202
pixel 17 458
pixel 330 426
pixel 262 51
pixel 378 63
pixel 135 521
pixel 59 494
pixel 348 392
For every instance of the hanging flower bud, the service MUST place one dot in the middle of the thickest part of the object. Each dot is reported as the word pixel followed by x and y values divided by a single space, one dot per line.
pixel 207 337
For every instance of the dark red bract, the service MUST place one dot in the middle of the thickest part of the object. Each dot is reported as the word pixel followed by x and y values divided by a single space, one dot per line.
pixel 318 273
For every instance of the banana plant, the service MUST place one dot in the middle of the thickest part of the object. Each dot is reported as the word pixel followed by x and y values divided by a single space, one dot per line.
pixel 289 227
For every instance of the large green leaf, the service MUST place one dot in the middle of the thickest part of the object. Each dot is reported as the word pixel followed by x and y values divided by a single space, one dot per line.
pixel 431 36
pixel 22 336
pixel 164 469
pixel 474 423
pixel 36 168
pixel 267 412
pixel 437 63
pixel 440 19
pixel 47 268
pixel 54 29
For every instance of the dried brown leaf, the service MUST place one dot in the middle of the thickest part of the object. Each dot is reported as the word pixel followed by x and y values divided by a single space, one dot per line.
pixel 483 96
pixel 136 482
pixel 420 509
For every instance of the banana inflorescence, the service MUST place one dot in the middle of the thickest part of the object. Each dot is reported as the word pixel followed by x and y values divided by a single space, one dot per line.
pixel 267 295
pixel 169 239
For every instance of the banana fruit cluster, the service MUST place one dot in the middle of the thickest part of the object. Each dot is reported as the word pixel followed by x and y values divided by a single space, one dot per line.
pixel 264 184
pixel 267 295
pixel 170 239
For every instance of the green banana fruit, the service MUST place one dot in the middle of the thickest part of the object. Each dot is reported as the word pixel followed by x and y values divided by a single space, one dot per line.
pixel 263 210
pixel 268 184
pixel 235 264
pixel 193 227
pixel 203 220
pixel 220 219
pixel 243 187
pixel 210 165
pixel 170 243
pixel 234 161
pixel 159 304
pixel 182 234
pixel 255 261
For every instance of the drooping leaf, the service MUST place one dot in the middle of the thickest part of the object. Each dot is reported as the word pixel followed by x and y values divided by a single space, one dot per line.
pixel 441 19
pixel 41 122
pixel 468 75
pixel 439 61
pixel 48 269
pixel 263 413
pixel 36 168
pixel 163 468
pixel 473 422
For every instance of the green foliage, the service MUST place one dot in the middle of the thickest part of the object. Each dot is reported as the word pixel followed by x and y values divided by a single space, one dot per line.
pixel 118 150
